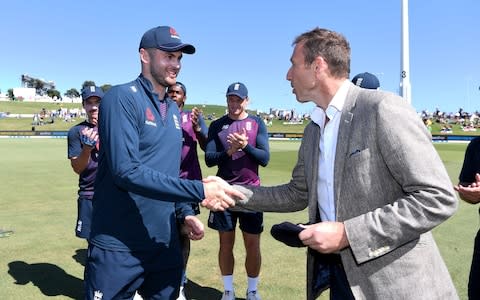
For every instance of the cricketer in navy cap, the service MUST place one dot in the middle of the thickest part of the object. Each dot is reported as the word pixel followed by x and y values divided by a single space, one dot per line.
pixel 366 80
pixel 165 38
pixel 238 89
pixel 90 91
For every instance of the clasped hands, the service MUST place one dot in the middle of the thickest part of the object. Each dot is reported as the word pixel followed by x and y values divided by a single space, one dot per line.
pixel 219 194
pixel 237 141
pixel 89 137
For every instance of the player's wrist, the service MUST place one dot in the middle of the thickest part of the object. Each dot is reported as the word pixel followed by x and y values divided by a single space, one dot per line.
pixel 87 147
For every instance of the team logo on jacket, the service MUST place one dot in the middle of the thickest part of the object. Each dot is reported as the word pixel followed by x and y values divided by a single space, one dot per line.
pixel 248 126
pixel 150 118
pixel 97 295
pixel 184 118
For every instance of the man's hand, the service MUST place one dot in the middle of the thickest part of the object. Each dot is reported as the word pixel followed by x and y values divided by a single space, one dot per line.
pixel 470 193
pixel 219 195
pixel 194 116
pixel 325 237
pixel 193 228
pixel 237 140
pixel 89 137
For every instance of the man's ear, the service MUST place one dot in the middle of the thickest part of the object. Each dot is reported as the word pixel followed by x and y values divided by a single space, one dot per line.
pixel 144 56
pixel 320 64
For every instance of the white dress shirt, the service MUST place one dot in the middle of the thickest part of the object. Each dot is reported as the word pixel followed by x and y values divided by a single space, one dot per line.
pixel 328 146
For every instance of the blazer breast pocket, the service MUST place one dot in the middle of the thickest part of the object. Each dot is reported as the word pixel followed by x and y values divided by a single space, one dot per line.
pixel 357 166
pixel 358 155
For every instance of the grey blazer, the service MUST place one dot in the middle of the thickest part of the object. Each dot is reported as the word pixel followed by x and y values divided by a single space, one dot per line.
pixel 391 190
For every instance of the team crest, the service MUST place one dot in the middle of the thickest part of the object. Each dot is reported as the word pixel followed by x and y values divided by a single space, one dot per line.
pixel 149 115
pixel 185 118
pixel 150 118
pixel 98 295
pixel 173 33
pixel 248 126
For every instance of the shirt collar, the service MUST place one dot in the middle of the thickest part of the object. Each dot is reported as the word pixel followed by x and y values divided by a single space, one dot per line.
pixel 335 106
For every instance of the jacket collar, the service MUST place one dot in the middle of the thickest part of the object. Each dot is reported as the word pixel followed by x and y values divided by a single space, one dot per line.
pixel 148 87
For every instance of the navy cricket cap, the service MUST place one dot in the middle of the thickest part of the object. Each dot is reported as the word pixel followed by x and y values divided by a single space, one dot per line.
pixel 90 91
pixel 366 80
pixel 165 38
pixel 287 233
pixel 238 89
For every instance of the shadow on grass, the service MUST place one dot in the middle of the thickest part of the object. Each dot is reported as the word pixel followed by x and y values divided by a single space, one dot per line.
pixel 80 256
pixel 194 291
pixel 49 278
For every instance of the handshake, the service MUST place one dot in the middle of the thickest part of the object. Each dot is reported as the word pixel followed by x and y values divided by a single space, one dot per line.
pixel 219 194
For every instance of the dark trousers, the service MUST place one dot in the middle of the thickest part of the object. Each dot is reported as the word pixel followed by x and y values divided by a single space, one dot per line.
pixel 474 279
pixel 329 273
pixel 339 286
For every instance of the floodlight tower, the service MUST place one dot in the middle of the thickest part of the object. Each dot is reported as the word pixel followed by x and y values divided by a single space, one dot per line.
pixel 405 88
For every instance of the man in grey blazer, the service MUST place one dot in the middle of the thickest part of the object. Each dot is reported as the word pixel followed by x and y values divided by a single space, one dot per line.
pixel 372 181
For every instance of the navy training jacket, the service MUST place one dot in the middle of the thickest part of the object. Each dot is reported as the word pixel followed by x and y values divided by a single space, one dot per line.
pixel 138 182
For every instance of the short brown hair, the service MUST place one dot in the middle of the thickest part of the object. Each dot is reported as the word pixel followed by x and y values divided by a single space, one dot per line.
pixel 330 45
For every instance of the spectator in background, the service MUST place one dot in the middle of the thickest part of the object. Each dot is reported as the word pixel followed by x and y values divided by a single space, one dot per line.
pixel 469 190
pixel 366 80
pixel 83 148
pixel 238 144
pixel 194 132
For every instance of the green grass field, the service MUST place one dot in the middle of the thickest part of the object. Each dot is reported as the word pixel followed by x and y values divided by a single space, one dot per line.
pixel 16 107
pixel 42 259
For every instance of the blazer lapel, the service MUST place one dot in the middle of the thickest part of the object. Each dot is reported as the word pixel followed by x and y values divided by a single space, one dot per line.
pixel 312 167
pixel 344 132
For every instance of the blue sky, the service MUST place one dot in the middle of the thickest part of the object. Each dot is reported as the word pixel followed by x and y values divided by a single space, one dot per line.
pixel 69 42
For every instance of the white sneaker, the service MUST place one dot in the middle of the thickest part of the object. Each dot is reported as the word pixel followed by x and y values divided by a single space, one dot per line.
pixel 228 295
pixel 253 295
pixel 181 295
